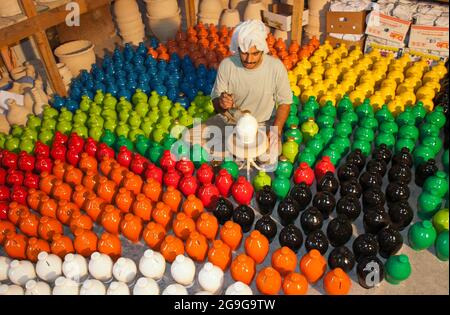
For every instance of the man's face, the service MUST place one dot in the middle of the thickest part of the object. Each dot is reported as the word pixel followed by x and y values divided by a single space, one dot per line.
pixel 252 58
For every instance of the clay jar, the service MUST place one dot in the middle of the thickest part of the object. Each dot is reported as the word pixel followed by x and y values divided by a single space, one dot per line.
pixel 244 216
pixel 365 245
pixel 400 173
pixel 347 172
pixel 266 200
pixel 131 227
pixel 192 207
pixel 317 240
pixel 328 183
pixel 313 266
pixel 397 192
pixel 152 189
pixel 370 179
pixel 223 182
pixel 93 206
pixel 390 241
pixel 242 191
pixel 304 174
pixel 339 231
pixel 28 223
pixel 243 269
pixel 48 227
pixel 301 193
pixel 65 211
pixel 15 245
pixel 403 157
pixel 401 214
pixel 267 227
pixel 220 254
pixel 311 220
pixel 341 257
pixel 257 246
pixel 351 187
pixel 133 183
pixel 183 226
pixel 284 260
pixel 171 247
pixel 292 237
pixel 79 195
pixel 337 282
pixel 349 206
pixel 378 166
pixel 89 163
pixel 124 200
pixel 61 191
pixel 196 246
pixel 79 220
pixel 375 220
pixel 382 152
pixel 106 189
pixel 207 194
pixel 34 247
pixel 110 245
pixel 153 235
pixel 425 170
pixel 207 225
pixel 325 202
pixel 288 210
pixel 85 242
pixel 295 284
pixel 357 158
pixel 162 214
pixel 268 281
pixel 61 245
pixel 172 197
pixel 205 174
pixel 231 234
pixel 73 176
pixel 110 219
pixel 373 198
pixel 222 210
pixel 364 270
pixel 188 185
pixel 47 182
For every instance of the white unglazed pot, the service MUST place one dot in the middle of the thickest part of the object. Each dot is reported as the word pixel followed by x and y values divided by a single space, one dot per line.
pixel 183 270
pixel 247 129
pixel 12 289
pixel 64 286
pixel 20 272
pixel 319 6
pixel 4 267
pixel 239 288
pixel 166 28
pixel 152 265
pixel 125 270
pixel 77 55
pixel 175 289
pixel 33 287
pixel 240 5
pixel 210 7
pixel 100 267
pixel 125 7
pixel 118 288
pixel 10 8
pixel 75 267
pixel 161 8
pixel 230 18
pixel 92 287
pixel 210 278
pixel 146 286
pixel 253 10
pixel 131 27
pixel 48 267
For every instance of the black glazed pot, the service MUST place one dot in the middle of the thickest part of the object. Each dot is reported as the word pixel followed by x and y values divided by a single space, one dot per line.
pixel 425 170
pixel 401 215
pixel 347 172
pixel 267 227
pixel 339 231
pixel 244 216
pixel 317 240
pixel 302 194
pixel 351 187
pixel 325 202
pixel 292 237
pixel 328 183
pixel 357 158
pixel 375 220
pixel 390 241
pixel 399 173
pixel 222 209
pixel 349 206
pixel 370 179
pixel 365 245
pixel 382 152
pixel 397 192
pixel 378 166
pixel 311 220
pixel 341 257
pixel 373 197
pixel 288 210
pixel 403 157
pixel 370 271
pixel 266 200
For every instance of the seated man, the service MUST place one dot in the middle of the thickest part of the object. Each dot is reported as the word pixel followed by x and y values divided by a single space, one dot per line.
pixel 250 81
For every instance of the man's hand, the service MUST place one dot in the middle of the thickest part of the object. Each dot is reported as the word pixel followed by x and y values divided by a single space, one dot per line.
pixel 226 101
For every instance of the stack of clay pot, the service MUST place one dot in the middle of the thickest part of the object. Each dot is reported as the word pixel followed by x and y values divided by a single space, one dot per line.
pixel 253 10
pixel 230 18
pixel 10 8
pixel 317 18
pixel 66 75
pixel 129 21
pixel 239 5
pixel 210 11
pixel 77 55
pixel 163 18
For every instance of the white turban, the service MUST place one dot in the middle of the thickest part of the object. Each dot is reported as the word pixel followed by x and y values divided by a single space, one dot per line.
pixel 248 34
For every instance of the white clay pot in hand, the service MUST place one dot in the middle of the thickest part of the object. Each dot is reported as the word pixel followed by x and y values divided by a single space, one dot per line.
pixel 239 288
pixel 4 267
pixel 125 270
pixel 175 289
pixel 92 287
pixel 183 270
pixel 100 267
pixel 20 272
pixel 48 267
pixel 37 288
pixel 152 265
pixel 210 278
pixel 64 286
pixel 75 267
pixel 146 286
pixel 13 289
pixel 118 288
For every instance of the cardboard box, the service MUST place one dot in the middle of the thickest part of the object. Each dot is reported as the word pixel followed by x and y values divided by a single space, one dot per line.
pixel 430 56
pixel 429 38
pixel 346 22
pixel 279 16
pixel 387 27
pixel 350 44
pixel 385 46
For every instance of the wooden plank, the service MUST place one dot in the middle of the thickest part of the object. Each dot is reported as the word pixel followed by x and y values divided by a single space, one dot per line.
pixel 43 21
pixel 191 19
pixel 45 51
pixel 297 20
